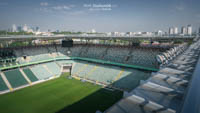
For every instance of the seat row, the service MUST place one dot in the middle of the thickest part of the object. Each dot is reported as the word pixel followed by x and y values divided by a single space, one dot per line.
pixel 169 55
pixel 164 91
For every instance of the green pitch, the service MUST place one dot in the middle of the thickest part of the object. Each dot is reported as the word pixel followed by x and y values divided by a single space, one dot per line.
pixel 59 95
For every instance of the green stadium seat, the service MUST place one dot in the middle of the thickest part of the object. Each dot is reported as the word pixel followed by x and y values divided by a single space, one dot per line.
pixel 110 75
pixel 40 72
pixel 3 86
pixel 30 75
pixel 15 78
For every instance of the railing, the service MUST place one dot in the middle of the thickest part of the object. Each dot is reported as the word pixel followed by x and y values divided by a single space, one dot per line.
pixel 84 59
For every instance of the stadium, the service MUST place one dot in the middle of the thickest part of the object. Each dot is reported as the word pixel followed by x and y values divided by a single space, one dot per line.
pixel 77 74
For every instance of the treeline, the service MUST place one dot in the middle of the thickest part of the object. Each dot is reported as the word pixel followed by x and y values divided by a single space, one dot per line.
pixel 15 33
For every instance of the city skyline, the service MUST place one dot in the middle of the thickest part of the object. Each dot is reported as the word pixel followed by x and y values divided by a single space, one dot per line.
pixel 101 15
pixel 188 30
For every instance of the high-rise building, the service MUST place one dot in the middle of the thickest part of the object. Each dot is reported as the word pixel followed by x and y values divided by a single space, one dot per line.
pixel 175 30
pixel 19 28
pixel 37 29
pixel 14 28
pixel 189 30
pixel 115 33
pixel 183 30
pixel 25 28
pixel 171 31
pixel 159 33
pixel 129 33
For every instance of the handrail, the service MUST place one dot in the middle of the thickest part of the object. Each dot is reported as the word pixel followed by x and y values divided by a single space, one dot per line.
pixel 81 58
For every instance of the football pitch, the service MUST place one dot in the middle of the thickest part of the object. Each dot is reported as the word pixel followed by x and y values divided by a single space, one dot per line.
pixel 60 95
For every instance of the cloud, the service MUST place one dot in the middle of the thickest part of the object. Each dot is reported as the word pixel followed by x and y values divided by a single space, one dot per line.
pixel 60 8
pixel 100 7
pixel 64 7
pixel 44 3
pixel 45 9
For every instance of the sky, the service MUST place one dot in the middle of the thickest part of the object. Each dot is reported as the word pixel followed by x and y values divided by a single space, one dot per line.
pixel 101 15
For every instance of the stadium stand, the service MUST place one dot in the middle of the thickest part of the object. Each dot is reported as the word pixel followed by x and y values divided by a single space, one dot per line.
pixel 7 58
pixel 169 55
pixel 164 91
pixel 138 56
pixel 143 57
pixel 30 74
pixel 54 68
pixel 112 76
pixel 82 69
pixel 104 74
pixel 113 54
pixel 165 96
pixel 35 51
pixel 15 78
pixel 169 81
pixel 75 51
pixel 40 57
pixel 126 55
pixel 136 104
pixel 3 86
pixel 118 54
pixel 130 79
pixel 40 72
pixel 95 52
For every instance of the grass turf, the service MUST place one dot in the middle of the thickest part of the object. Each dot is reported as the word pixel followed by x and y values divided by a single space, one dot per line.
pixel 59 95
